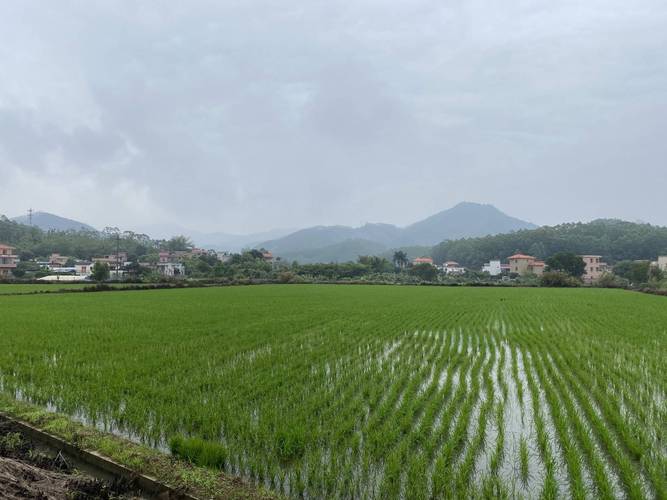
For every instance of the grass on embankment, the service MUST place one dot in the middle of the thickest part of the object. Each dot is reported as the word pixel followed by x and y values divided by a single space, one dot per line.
pixel 179 474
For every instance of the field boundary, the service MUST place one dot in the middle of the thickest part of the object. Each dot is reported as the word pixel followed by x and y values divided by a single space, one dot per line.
pixel 97 461
pixel 159 474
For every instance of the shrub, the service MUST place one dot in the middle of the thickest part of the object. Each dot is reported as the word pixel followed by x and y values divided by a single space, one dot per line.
pixel 609 280
pixel 559 279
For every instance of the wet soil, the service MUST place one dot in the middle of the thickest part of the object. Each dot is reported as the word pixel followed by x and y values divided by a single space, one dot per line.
pixel 26 471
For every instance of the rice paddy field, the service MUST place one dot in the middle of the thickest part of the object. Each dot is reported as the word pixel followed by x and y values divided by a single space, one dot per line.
pixel 9 289
pixel 319 391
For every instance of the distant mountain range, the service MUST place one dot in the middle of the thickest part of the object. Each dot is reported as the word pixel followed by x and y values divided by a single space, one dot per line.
pixel 216 241
pixel 343 243
pixel 332 243
pixel 50 222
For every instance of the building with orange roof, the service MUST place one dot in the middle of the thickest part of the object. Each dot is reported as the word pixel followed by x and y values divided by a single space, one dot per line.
pixel 422 260
pixel 523 265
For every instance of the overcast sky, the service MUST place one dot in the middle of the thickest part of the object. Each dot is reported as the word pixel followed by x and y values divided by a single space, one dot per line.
pixel 240 116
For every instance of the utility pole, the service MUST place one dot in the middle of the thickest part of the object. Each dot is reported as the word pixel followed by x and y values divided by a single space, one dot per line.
pixel 30 212
pixel 117 254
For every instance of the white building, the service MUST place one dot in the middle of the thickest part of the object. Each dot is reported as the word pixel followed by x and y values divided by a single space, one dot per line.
pixel 224 256
pixel 83 268
pixel 453 267
pixel 171 269
pixel 493 267
pixel 662 263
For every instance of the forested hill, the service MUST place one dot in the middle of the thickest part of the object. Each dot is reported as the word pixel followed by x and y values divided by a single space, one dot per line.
pixel 32 241
pixel 614 239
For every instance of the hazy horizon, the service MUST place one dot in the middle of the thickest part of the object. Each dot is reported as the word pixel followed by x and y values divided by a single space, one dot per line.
pixel 246 117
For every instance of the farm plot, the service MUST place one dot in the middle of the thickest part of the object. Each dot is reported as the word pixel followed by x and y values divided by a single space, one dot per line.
pixel 368 392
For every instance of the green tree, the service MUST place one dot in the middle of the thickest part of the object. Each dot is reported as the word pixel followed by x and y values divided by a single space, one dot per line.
pixel 100 272
pixel 425 272
pixel 634 271
pixel 400 259
pixel 567 262
pixel 178 244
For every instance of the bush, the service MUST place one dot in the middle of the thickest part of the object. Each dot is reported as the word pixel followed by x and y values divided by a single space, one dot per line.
pixel 559 279
pixel 609 280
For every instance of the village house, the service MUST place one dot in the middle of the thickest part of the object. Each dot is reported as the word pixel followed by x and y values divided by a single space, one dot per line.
pixel 8 261
pixel 493 267
pixel 524 265
pixel 113 260
pixel 83 268
pixel 57 260
pixel 169 264
pixel 594 269
pixel 422 260
pixel 453 267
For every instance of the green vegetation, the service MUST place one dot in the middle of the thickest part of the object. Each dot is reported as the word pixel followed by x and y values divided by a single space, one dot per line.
pixel 179 474
pixel 29 288
pixel 33 242
pixel 615 240
pixel 380 392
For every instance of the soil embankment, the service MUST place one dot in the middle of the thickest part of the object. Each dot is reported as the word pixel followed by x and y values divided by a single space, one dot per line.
pixel 26 471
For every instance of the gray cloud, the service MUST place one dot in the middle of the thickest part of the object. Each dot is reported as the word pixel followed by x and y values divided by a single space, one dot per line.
pixel 242 116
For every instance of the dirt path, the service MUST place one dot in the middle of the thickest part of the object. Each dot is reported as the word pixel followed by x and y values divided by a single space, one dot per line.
pixel 26 472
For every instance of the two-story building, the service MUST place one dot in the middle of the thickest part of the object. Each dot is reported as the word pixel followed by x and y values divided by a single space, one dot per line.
pixel 493 267
pixel 169 264
pixel 57 260
pixel 113 260
pixel 594 269
pixel 523 265
pixel 83 268
pixel 8 261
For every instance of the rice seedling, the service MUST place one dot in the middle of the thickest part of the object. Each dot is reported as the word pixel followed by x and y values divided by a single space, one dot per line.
pixel 372 392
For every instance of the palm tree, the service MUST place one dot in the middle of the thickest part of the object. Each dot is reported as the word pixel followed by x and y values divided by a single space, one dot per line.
pixel 400 259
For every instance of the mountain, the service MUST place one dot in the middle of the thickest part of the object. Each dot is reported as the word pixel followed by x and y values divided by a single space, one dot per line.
pixel 50 222
pixel 216 241
pixel 321 237
pixel 236 242
pixel 338 252
pixel 613 239
pixel 465 220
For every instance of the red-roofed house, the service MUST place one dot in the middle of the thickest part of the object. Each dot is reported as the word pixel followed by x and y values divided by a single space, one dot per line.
pixel 522 264
pixel 422 260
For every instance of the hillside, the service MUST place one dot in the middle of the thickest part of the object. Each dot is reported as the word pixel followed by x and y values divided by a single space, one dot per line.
pixel 614 239
pixel 348 250
pixel 50 222
pixel 317 244
pixel 465 220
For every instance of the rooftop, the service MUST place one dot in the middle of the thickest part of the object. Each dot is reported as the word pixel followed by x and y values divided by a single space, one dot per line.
pixel 520 256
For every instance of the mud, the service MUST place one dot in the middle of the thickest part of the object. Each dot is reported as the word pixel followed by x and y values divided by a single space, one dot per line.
pixel 28 472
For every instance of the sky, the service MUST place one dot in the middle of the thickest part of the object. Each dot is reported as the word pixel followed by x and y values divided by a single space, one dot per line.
pixel 242 116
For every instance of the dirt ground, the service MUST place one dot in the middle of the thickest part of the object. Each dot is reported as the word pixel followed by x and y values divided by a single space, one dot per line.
pixel 28 473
